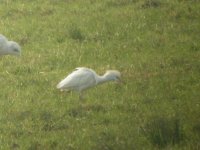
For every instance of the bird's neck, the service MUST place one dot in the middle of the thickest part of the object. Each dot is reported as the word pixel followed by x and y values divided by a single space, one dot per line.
pixel 103 79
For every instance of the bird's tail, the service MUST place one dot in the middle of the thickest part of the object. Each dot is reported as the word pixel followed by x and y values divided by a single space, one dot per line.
pixel 61 87
pixel 58 86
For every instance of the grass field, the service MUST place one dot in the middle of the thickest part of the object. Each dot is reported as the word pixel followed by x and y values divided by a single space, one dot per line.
pixel 155 44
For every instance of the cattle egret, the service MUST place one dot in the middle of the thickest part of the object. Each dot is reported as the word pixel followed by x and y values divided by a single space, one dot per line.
pixel 9 47
pixel 83 78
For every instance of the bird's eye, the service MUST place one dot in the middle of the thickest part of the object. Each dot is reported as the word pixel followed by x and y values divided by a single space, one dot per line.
pixel 118 78
pixel 15 50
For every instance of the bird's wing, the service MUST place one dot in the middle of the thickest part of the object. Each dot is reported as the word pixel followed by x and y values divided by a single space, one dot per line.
pixel 78 80
pixel 84 68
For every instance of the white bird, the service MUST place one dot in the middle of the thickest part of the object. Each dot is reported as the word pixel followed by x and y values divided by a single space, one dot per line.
pixel 83 78
pixel 9 47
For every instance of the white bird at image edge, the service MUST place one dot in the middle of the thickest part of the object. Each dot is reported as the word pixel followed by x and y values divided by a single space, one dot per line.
pixel 9 47
pixel 83 78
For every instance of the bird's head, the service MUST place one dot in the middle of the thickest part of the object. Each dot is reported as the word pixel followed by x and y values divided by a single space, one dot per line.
pixel 14 48
pixel 113 75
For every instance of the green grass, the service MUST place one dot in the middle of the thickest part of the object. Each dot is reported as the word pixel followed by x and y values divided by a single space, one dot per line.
pixel 154 44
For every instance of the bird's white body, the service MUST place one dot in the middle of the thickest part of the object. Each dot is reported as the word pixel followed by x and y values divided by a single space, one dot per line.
pixel 78 80
pixel 83 78
pixel 9 47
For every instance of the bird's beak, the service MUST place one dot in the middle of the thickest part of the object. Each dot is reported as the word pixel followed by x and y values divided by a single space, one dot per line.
pixel 119 81
pixel 19 54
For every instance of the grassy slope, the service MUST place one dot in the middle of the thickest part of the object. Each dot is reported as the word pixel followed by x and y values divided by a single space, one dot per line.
pixel 155 44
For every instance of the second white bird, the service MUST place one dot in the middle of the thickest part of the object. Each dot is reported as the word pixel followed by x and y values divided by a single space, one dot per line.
pixel 9 47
